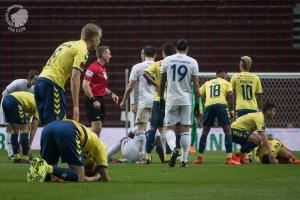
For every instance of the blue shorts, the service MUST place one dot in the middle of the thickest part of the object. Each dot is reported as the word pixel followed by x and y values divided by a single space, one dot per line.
pixel 219 111
pixel 157 116
pixel 60 139
pixel 239 136
pixel 50 101
pixel 13 110
pixel 242 112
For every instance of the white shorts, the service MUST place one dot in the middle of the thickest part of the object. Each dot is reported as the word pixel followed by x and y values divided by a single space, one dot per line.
pixel 130 149
pixel 143 115
pixel 178 114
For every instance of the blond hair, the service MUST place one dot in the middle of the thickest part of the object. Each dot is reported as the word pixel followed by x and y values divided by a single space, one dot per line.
pixel 247 62
pixel 90 30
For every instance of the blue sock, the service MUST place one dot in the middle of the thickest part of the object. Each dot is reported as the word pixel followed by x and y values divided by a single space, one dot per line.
pixel 168 149
pixel 15 143
pixel 150 139
pixel 228 143
pixel 202 142
pixel 24 143
pixel 248 147
pixel 65 174
pixel 178 146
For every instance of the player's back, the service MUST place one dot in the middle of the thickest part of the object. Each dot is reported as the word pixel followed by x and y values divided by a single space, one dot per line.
pixel 17 85
pixel 246 85
pixel 179 68
pixel 145 90
pixel 69 55
pixel 26 98
pixel 250 122
pixel 154 71
pixel 215 91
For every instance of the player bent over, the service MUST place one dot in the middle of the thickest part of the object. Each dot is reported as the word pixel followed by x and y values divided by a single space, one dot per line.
pixel 215 93
pixel 68 140
pixel 18 107
pixel 282 153
pixel 242 133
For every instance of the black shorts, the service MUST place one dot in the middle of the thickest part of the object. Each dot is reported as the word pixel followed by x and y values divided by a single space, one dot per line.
pixel 92 113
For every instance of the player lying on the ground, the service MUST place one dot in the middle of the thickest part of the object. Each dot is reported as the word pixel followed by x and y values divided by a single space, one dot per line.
pixel 243 128
pixel 68 140
pixel 282 153
pixel 130 149
pixel 17 85
pixel 18 107
pixel 215 92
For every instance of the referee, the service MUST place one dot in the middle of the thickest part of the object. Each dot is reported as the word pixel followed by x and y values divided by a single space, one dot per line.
pixel 95 87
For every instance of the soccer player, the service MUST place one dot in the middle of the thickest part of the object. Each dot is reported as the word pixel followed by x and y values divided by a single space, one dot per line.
pixel 179 71
pixel 215 92
pixel 242 133
pixel 152 74
pixel 26 85
pixel 17 106
pixel 95 88
pixel 145 93
pixel 68 140
pixel 283 154
pixel 67 60
pixel 247 88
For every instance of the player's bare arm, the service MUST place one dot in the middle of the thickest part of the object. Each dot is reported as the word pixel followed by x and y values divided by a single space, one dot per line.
pixel 163 85
pixel 230 99
pixel 266 144
pixel 128 90
pixel 195 81
pixel 149 78
pixel 75 88
pixel 259 100
pixel 33 129
pixel 87 89
pixel 114 97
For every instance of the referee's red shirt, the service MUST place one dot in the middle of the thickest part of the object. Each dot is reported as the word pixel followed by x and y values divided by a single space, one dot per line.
pixel 96 74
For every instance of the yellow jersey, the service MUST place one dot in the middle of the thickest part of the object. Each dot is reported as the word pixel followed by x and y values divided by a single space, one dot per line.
pixel 215 91
pixel 28 102
pixel 250 122
pixel 67 56
pixel 246 85
pixel 154 70
pixel 93 148
pixel 275 145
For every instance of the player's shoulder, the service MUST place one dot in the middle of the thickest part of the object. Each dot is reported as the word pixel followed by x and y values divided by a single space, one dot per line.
pixel 78 45
pixel 19 81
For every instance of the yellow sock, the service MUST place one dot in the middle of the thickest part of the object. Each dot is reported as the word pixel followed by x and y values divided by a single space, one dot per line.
pixel 25 157
pixel 167 157
pixel 50 169
pixel 17 156
pixel 229 155
pixel 148 156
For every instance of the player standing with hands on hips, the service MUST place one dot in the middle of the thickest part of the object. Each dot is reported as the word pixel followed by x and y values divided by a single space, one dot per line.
pixel 95 88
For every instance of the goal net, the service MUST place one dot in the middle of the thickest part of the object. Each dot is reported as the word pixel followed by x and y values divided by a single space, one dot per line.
pixel 283 89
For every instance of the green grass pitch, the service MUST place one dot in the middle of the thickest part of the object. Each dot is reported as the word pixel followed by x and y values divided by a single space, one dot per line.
pixel 211 181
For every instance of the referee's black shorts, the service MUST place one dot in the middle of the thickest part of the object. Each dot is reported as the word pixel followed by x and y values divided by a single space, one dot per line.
pixel 94 114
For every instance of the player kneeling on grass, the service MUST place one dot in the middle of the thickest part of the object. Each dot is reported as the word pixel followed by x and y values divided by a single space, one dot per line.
pixel 242 133
pixel 18 107
pixel 215 92
pixel 283 154
pixel 70 141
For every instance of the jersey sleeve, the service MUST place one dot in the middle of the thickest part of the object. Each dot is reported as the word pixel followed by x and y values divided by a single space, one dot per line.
pixel 195 69
pixel 134 74
pixel 233 82
pixel 260 124
pixel 80 60
pixel 89 74
pixel 164 66
pixel 99 154
pixel 259 87
pixel 202 90
pixel 9 89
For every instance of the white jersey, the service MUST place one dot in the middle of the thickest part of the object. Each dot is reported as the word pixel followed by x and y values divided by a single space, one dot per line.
pixel 17 85
pixel 145 90
pixel 179 68
pixel 130 149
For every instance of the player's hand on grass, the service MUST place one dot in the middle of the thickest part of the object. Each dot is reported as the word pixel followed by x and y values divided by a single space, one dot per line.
pixel 96 104
pixel 115 98
pixel 133 108
pixel 273 159
pixel 76 113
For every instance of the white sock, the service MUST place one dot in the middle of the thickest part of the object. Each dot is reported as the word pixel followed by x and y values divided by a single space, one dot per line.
pixel 171 139
pixel 142 139
pixel 114 149
pixel 163 139
pixel 185 143
pixel 8 144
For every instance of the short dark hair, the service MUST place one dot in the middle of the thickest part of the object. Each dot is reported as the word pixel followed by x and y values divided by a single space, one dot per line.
pixel 220 71
pixel 182 45
pixel 268 106
pixel 100 50
pixel 149 51
pixel 168 49
pixel 32 73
